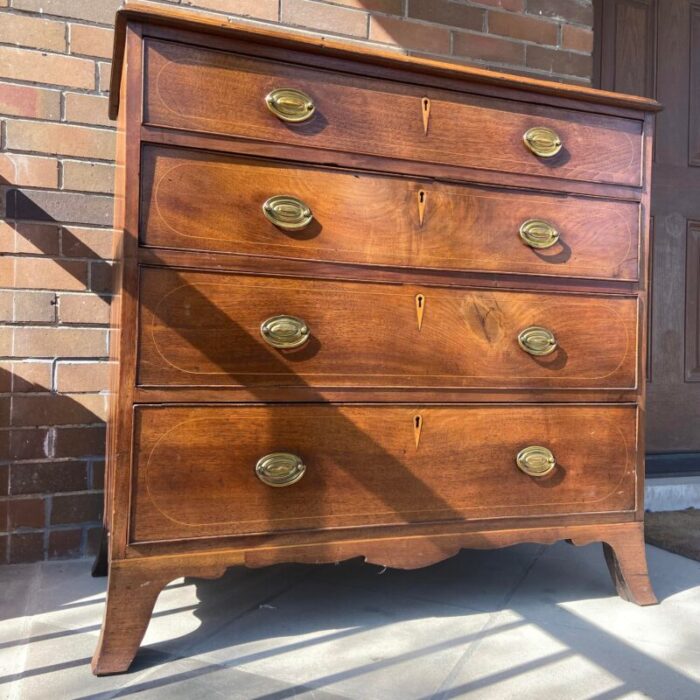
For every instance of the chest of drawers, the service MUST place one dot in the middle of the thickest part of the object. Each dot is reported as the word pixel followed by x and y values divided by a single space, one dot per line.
pixel 367 305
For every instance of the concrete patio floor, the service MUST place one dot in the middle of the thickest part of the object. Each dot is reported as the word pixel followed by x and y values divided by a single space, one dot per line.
pixel 524 622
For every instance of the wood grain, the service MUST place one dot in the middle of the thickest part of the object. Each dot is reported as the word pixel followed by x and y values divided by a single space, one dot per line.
pixel 198 89
pixel 373 219
pixel 195 466
pixel 204 329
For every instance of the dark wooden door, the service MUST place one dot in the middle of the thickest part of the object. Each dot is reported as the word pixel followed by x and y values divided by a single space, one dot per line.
pixel 652 48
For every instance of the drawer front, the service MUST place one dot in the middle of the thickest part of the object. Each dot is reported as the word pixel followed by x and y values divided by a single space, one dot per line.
pixel 205 329
pixel 212 91
pixel 203 201
pixel 195 467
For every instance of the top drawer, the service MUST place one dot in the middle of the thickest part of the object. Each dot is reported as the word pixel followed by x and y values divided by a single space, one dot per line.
pixel 189 87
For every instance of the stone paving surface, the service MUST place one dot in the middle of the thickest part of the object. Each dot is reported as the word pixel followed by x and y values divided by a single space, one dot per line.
pixel 523 622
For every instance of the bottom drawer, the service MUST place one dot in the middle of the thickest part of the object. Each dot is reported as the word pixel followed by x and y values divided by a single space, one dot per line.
pixel 201 470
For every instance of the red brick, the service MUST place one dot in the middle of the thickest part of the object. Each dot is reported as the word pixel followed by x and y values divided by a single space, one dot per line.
pixel 21 237
pixel 60 342
pixel 88 177
pixel 65 544
pixel 91 41
pixel 488 48
pixel 90 10
pixel 446 12
pixel 525 28
pixel 30 376
pixel 87 109
pixel 53 205
pixel 87 242
pixel 28 443
pixel 34 307
pixel 32 171
pixel 47 477
pixel 26 512
pixel 392 7
pixel 579 11
pixel 510 5
pixel 76 508
pixel 26 547
pixel 577 38
pixel 30 273
pixel 105 74
pixel 79 442
pixel 101 277
pixel 4 515
pixel 258 9
pixel 4 480
pixel 98 475
pixel 29 101
pixel 61 139
pixel 35 32
pixel 94 539
pixel 561 62
pixel 325 18
pixel 77 377
pixel 83 308
pixel 410 35
pixel 38 67
pixel 58 409
pixel 4 539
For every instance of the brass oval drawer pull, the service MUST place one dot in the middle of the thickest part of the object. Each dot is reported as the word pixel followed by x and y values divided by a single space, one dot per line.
pixel 287 212
pixel 285 332
pixel 537 340
pixel 535 460
pixel 280 469
pixel 538 233
pixel 290 105
pixel 542 141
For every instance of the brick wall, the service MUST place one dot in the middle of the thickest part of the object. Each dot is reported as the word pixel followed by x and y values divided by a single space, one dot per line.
pixel 56 180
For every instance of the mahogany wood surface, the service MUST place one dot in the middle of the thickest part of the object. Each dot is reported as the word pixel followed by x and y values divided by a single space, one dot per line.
pixel 408 422
pixel 204 329
pixel 194 466
pixel 217 92
pixel 375 219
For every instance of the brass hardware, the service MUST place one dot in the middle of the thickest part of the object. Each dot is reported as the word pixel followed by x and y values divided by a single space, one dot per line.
pixel 542 141
pixel 425 104
pixel 290 105
pixel 280 469
pixel 287 212
pixel 422 200
pixel 285 332
pixel 417 427
pixel 538 233
pixel 537 340
pixel 535 460
pixel 420 308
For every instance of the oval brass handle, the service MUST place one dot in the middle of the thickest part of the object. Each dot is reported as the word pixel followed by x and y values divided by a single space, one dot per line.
pixel 290 105
pixel 280 469
pixel 287 212
pixel 285 332
pixel 535 460
pixel 537 340
pixel 542 141
pixel 538 233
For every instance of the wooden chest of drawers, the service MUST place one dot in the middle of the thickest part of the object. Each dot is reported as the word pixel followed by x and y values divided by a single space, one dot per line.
pixel 368 305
